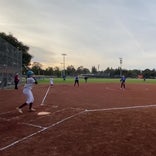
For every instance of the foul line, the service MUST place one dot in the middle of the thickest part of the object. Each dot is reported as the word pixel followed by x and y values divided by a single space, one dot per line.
pixel 43 129
pixel 3 113
pixel 120 108
pixel 72 116
pixel 42 103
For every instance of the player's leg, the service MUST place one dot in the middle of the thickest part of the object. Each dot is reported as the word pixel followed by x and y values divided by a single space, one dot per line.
pixel 74 82
pixel 31 100
pixel 24 104
pixel 20 107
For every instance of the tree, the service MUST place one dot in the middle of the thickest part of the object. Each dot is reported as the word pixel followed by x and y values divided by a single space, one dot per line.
pixel 70 70
pixel 26 57
pixel 37 68
pixel 57 71
pixel 86 71
pixel 79 70
pixel 49 71
pixel 94 70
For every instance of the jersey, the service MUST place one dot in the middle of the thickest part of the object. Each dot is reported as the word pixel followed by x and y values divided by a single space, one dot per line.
pixel 29 83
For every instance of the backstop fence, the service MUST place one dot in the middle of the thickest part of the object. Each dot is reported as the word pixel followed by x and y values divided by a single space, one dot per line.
pixel 10 63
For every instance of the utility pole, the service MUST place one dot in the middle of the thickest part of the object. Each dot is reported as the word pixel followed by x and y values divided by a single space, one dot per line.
pixel 64 73
pixel 120 66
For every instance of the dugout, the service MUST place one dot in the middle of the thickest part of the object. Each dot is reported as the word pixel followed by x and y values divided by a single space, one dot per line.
pixel 10 63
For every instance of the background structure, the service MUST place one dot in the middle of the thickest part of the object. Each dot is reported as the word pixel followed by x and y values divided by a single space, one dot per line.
pixel 10 63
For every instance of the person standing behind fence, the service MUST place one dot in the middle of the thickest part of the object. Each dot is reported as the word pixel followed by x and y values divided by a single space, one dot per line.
pixel 76 80
pixel 27 91
pixel 16 80
pixel 123 80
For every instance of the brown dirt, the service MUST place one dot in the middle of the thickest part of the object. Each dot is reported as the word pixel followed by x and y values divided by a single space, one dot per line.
pixel 70 130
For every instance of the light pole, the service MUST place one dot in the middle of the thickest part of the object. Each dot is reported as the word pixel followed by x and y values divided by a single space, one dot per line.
pixel 61 69
pixel 64 73
pixel 120 66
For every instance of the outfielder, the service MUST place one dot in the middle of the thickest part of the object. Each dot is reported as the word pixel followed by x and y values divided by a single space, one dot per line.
pixel 76 80
pixel 27 91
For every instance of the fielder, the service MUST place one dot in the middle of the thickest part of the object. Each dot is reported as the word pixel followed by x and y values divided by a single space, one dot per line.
pixel 76 81
pixel 51 81
pixel 27 91
pixel 123 80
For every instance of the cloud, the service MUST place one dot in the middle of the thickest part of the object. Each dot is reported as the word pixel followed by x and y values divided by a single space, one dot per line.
pixel 90 32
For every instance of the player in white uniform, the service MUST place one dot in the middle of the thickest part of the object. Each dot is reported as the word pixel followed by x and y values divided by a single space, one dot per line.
pixel 27 90
pixel 51 81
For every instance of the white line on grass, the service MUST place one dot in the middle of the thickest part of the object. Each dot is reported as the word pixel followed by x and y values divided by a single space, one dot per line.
pixel 42 103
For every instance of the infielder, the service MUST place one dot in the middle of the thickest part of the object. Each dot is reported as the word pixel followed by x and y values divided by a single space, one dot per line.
pixel 123 80
pixel 27 91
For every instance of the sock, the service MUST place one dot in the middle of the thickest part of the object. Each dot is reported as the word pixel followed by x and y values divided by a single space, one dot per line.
pixel 23 105
pixel 30 105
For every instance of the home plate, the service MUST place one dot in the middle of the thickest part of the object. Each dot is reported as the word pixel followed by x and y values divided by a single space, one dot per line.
pixel 43 113
pixel 54 106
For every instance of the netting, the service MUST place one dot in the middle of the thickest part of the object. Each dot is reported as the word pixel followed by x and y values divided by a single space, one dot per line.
pixel 10 63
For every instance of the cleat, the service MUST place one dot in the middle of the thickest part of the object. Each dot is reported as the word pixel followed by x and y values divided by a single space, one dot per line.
pixel 32 110
pixel 19 110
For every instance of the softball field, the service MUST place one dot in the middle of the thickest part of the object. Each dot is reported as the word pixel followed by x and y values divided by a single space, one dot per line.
pixel 97 119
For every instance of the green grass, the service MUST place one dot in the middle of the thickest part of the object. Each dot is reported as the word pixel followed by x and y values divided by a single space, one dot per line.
pixel 96 80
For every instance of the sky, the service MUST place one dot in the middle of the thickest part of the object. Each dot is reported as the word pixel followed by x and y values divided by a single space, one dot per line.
pixel 90 32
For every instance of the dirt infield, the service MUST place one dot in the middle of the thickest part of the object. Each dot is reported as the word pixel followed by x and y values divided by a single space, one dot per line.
pixel 90 120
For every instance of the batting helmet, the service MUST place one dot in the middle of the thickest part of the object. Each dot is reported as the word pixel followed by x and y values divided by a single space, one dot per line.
pixel 29 73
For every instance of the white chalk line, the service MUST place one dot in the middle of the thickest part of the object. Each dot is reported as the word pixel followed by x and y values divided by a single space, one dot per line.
pixel 44 116
pixel 7 112
pixel 20 140
pixel 111 89
pixel 32 125
pixel 42 103
pixel 121 108
pixel 72 116
pixel 39 131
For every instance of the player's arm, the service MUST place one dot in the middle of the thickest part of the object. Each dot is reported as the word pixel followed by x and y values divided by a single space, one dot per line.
pixel 35 80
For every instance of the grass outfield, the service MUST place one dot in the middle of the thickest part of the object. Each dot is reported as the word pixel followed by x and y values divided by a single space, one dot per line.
pixel 96 80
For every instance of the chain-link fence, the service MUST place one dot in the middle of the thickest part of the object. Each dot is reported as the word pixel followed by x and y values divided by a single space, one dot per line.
pixel 10 63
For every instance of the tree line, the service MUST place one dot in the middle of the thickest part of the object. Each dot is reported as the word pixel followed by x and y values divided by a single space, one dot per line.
pixel 71 70
pixel 94 72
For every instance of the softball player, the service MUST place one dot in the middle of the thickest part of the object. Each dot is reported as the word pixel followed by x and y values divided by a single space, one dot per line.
pixel 51 81
pixel 123 80
pixel 76 80
pixel 27 91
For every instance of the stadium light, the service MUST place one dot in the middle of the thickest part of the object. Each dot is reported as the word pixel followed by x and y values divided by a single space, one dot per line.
pixel 64 73
pixel 121 60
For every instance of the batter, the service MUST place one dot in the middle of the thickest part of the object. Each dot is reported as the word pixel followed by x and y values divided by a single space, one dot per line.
pixel 27 91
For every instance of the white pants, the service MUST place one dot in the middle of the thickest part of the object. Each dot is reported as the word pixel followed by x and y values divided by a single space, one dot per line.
pixel 28 93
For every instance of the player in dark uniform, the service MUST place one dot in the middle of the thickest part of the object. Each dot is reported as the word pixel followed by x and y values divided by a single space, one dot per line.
pixel 16 81
pixel 123 80
pixel 76 80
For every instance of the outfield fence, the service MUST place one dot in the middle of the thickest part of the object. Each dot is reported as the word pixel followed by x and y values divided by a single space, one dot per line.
pixel 10 63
